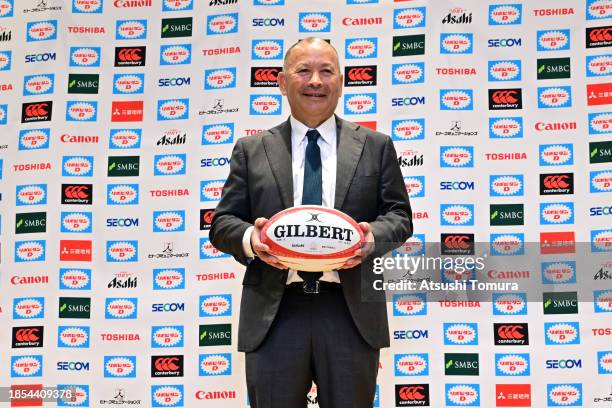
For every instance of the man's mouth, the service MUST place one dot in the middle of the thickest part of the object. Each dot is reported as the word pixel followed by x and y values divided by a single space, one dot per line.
pixel 314 94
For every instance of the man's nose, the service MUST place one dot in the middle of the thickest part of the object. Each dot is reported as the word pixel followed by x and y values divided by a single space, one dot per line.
pixel 315 79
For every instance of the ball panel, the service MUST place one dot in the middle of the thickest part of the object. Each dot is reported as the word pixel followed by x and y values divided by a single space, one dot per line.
pixel 312 235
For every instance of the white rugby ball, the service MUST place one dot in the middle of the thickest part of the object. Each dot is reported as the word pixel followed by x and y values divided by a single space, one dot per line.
pixel 312 238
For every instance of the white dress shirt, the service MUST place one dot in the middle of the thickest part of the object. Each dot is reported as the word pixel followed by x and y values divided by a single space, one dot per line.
pixel 327 145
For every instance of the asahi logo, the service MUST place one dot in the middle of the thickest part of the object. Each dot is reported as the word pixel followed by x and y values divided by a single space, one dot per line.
pixel 172 137
pixel 123 280
pixel 457 16
pixel 410 158
pixel 5 35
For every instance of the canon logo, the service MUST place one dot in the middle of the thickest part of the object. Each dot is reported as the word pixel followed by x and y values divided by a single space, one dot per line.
pixel 213 395
pixel 542 126
pixel 348 21
pixel 29 280
pixel 66 138
pixel 132 3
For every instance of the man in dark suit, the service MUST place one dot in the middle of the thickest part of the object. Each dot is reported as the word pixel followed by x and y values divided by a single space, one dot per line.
pixel 296 327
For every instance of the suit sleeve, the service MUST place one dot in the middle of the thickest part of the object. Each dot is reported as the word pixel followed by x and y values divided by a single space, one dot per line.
pixel 233 213
pixel 393 226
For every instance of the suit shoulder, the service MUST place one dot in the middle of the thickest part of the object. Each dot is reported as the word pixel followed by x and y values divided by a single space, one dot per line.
pixel 374 136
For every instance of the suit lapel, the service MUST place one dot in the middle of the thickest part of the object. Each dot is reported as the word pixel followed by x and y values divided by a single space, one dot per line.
pixel 277 145
pixel 350 145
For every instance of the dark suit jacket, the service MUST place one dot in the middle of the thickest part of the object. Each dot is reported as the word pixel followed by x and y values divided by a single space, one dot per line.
pixel 369 187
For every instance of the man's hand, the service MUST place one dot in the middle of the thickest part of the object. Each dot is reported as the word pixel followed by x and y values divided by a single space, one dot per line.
pixel 363 252
pixel 260 249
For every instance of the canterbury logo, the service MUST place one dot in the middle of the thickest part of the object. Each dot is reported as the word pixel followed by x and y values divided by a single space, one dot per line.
pixel 268 75
pixel 360 74
pixel 411 393
pixel 556 181
pixel 510 332
pixel 601 34
pixel 208 216
pixel 27 334
pixel 76 192
pixel 37 109
pixel 504 97
pixel 130 54
pixel 166 364
pixel 457 242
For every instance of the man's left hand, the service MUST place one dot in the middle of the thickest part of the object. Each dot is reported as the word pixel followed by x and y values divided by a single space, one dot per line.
pixel 363 252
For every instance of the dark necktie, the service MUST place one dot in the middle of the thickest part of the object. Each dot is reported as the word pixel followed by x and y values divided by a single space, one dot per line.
pixel 313 186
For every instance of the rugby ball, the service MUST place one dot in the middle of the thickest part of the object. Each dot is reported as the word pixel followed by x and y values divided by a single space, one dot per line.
pixel 312 238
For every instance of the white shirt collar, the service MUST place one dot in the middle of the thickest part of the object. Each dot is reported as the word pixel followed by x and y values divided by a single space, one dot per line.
pixel 327 130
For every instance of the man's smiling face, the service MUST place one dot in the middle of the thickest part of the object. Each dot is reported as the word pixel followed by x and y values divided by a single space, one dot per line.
pixel 312 81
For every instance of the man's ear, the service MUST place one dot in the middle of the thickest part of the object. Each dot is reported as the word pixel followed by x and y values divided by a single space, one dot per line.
pixel 282 81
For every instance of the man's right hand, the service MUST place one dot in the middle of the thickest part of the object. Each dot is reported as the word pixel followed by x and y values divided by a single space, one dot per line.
pixel 260 249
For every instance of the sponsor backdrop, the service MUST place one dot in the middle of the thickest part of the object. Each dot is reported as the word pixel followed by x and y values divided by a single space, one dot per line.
pixel 117 121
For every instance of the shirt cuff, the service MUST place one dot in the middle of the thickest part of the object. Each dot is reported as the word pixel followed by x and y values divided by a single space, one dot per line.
pixel 246 243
